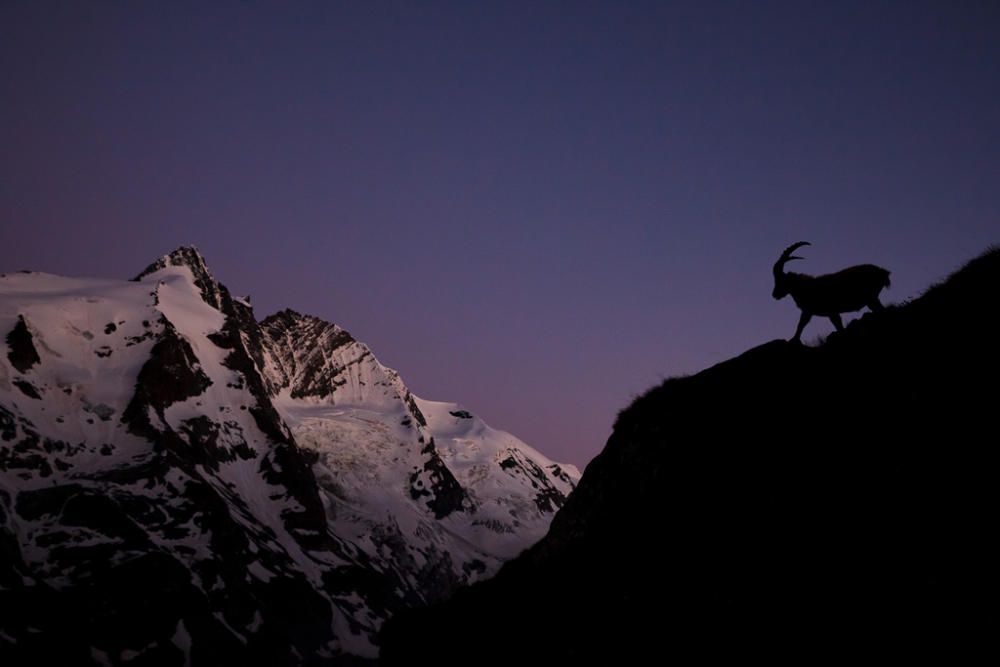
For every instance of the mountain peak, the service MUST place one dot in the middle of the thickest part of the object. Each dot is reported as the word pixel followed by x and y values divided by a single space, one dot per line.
pixel 185 255
pixel 190 257
pixel 162 451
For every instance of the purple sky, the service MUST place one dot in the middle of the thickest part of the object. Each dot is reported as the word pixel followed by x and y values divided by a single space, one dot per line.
pixel 535 209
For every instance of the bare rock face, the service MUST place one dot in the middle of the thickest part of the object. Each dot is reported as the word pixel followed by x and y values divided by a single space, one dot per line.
pixel 184 485
pixel 21 350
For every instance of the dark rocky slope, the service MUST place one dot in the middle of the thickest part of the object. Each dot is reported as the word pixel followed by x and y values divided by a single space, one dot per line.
pixel 791 503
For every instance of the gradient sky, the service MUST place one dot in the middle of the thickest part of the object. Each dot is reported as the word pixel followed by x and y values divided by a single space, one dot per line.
pixel 535 209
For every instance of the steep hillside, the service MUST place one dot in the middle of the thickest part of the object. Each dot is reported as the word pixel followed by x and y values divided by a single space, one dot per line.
pixel 792 503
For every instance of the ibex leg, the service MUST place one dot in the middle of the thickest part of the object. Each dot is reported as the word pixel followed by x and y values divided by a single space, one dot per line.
pixel 803 321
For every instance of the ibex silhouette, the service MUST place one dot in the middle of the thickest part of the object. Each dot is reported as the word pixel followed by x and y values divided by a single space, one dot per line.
pixel 831 294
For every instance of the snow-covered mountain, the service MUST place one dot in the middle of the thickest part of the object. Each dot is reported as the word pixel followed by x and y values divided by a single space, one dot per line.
pixel 180 483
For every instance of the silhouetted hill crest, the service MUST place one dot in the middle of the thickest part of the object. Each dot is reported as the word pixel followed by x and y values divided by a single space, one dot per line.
pixel 826 497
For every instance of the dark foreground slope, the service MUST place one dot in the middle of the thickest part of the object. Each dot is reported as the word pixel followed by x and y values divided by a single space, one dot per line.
pixel 792 502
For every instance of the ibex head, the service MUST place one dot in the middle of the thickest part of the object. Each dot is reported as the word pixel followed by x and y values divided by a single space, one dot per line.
pixel 780 280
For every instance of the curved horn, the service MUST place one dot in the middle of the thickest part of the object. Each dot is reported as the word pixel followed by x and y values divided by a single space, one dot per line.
pixel 787 256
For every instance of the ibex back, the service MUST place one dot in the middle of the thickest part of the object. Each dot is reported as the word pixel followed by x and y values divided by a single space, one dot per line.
pixel 831 294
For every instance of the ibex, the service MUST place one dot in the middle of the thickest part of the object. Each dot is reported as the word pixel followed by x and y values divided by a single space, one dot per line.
pixel 831 294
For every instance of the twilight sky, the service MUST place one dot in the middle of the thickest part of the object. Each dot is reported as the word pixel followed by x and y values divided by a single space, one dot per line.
pixel 535 209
